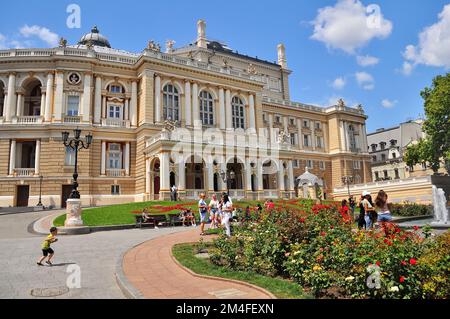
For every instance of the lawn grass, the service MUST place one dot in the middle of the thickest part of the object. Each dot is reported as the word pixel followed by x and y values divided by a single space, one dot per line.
pixel 281 288
pixel 120 214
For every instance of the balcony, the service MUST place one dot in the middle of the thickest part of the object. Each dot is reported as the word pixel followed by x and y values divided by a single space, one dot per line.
pixel 115 172
pixel 115 123
pixel 27 120
pixel 23 172
pixel 72 119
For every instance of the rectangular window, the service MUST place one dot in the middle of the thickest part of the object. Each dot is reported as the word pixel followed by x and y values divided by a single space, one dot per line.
pixel 306 140
pixel 385 174
pixel 278 119
pixel 356 165
pixel 377 176
pixel 264 116
pixel 293 138
pixel 295 164
pixel 115 112
pixel 292 122
pixel 374 158
pixel 69 159
pixel 73 103
pixel 318 126
pixel 319 142
pixel 397 175
pixel 383 157
pixel 115 156
pixel 322 165
pixel 115 189
pixel 306 123
pixel 309 164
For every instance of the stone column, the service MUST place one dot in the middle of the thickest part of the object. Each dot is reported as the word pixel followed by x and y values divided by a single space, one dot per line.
pixel 98 99
pixel 5 98
pixel 87 98
pixel 103 163
pixel 104 107
pixel 222 109
pixel 127 159
pixel 259 177
pixel 42 106
pixel 187 103
pixel 181 175
pixel 48 98
pixel 291 176
pixel 12 157
pixel 251 100
pixel 147 176
pixel 285 124
pixel 281 176
pixel 228 110
pixel 248 175
pixel 299 128
pixel 37 157
pixel 325 136
pixel 313 135
pixel 210 170
pixel 195 108
pixel 11 98
pixel 271 131
pixel 133 115
pixel 126 111
pixel 20 104
pixel 59 94
pixel 164 175
pixel 157 99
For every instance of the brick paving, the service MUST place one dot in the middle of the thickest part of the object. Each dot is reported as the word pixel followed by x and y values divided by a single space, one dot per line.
pixel 150 268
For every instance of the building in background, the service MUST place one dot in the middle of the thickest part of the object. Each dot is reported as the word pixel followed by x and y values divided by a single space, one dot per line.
pixel 125 99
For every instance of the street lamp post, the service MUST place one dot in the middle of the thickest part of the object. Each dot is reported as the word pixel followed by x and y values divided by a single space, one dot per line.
pixel 74 203
pixel 227 177
pixel 40 191
pixel 347 180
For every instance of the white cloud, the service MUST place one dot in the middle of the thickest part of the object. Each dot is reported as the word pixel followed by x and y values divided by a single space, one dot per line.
pixel 367 60
pixel 388 103
pixel 433 48
pixel 42 33
pixel 348 26
pixel 2 42
pixel 338 83
pixel 365 80
pixel 407 68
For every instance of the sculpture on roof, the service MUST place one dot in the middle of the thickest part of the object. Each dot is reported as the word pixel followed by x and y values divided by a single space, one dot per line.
pixel 153 46
pixel 89 44
pixel 62 42
pixel 169 46
pixel 225 63
pixel 283 137
pixel 341 103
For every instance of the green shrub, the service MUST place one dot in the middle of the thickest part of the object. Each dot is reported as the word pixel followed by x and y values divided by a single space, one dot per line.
pixel 411 209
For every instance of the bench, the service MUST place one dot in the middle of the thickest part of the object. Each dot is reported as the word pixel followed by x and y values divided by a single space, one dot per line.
pixel 154 220
pixel 175 220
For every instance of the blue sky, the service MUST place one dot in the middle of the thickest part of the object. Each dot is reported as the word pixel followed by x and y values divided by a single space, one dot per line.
pixel 323 41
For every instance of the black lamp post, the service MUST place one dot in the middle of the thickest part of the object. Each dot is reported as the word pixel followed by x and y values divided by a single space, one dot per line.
pixel 76 144
pixel 347 180
pixel 40 190
pixel 227 177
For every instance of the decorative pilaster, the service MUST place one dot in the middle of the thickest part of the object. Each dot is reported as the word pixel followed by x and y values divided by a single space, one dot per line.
pixel 195 108
pixel 157 99
pixel 98 100
pixel 228 110
pixel 222 108
pixel 127 159
pixel 37 157
pixel 59 95
pixel 11 99
pixel 20 104
pixel 187 103
pixel 133 104
pixel 48 98
pixel 103 163
pixel 147 176
pixel 164 175
pixel 12 157
pixel 251 102
pixel 87 97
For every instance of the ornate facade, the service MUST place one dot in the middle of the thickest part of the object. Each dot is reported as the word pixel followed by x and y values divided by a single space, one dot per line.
pixel 126 100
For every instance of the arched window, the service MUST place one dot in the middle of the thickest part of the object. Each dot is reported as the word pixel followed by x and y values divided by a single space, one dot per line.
pixel 206 108
pixel 171 103
pixel 238 113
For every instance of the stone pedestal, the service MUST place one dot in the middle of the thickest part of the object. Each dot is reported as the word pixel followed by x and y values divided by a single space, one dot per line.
pixel 73 213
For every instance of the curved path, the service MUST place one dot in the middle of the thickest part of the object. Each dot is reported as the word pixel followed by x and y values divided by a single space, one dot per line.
pixel 151 269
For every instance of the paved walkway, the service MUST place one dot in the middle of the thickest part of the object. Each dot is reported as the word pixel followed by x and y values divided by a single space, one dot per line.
pixel 96 254
pixel 151 269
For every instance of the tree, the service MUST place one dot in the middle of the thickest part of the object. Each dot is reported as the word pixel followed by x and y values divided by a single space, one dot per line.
pixel 435 148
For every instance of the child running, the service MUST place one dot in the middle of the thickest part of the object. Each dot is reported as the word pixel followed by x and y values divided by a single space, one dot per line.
pixel 46 250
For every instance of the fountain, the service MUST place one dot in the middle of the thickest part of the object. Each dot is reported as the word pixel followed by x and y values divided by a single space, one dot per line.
pixel 440 207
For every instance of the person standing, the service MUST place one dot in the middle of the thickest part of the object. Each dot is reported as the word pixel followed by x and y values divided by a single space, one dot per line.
pixel 213 210
pixel 352 205
pixel 173 193
pixel 203 210
pixel 227 208
pixel 368 209
pixel 384 213
pixel 362 214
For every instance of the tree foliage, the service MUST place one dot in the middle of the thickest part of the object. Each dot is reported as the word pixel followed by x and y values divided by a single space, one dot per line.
pixel 435 148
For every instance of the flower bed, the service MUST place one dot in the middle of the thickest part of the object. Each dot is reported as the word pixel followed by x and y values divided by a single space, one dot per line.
pixel 319 248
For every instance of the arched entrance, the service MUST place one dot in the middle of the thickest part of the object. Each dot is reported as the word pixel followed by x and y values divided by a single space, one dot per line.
pixel 32 99
pixel 216 182
pixel 270 179
pixel 235 169
pixel 195 176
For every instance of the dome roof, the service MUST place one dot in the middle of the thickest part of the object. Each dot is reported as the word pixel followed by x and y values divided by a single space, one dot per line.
pixel 95 38
pixel 309 178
